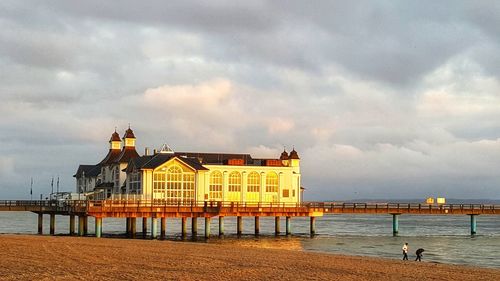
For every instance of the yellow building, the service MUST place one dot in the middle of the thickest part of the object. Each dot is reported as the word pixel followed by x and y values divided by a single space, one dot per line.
pixel 168 176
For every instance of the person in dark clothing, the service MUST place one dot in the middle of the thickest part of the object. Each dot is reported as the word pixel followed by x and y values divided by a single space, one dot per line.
pixel 419 254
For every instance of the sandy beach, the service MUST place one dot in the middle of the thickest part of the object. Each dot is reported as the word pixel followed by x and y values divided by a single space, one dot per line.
pixel 27 257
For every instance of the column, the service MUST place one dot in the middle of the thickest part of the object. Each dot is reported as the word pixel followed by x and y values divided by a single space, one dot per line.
pixel 163 228
pixel 52 224
pixel 276 225
pixel 154 228
pixel 127 227
pixel 133 227
pixel 98 227
pixel 80 226
pixel 313 226
pixel 221 226
pixel 395 224
pixel 144 227
pixel 239 225
pixel 194 226
pixel 473 224
pixel 40 223
pixel 207 227
pixel 288 226
pixel 71 224
pixel 184 227
pixel 85 225
pixel 257 226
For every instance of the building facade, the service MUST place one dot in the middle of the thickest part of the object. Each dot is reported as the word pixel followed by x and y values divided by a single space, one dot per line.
pixel 185 177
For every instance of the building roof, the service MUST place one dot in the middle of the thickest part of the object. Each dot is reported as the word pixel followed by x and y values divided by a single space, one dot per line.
pixel 127 153
pixel 111 157
pixel 284 155
pixel 216 158
pixel 88 170
pixel 294 154
pixel 154 161
pixel 115 137
pixel 129 134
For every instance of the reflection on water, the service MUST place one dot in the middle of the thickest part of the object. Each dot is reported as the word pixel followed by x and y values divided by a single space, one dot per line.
pixel 444 238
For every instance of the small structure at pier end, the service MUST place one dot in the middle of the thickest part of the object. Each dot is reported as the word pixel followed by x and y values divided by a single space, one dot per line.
pixel 182 177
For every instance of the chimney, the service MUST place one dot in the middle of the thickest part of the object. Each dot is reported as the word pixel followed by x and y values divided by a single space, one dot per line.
pixel 146 151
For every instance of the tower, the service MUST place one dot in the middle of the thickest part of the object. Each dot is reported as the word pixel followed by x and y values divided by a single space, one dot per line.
pixel 294 158
pixel 114 141
pixel 284 158
pixel 129 139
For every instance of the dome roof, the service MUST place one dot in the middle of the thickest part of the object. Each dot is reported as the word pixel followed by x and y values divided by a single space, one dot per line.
pixel 115 137
pixel 129 134
pixel 293 155
pixel 284 155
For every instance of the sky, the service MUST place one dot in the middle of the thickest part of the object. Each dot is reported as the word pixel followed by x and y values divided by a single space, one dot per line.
pixel 381 99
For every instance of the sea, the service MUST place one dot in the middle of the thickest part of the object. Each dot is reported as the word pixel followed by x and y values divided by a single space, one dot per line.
pixel 445 239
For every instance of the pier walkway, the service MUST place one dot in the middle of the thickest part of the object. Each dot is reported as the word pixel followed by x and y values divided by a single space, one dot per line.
pixel 154 210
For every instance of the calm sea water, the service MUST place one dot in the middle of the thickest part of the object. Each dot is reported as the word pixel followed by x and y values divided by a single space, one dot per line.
pixel 445 239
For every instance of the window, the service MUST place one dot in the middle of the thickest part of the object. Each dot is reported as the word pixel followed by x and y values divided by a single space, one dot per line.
pixel 135 182
pixel 286 193
pixel 234 182
pixel 253 183
pixel 174 183
pixel 272 182
pixel 159 182
pixel 215 186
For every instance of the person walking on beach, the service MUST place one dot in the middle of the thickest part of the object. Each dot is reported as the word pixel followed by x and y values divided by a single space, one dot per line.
pixel 405 251
pixel 419 254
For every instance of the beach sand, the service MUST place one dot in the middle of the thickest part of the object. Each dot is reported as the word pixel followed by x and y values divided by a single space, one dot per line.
pixel 27 257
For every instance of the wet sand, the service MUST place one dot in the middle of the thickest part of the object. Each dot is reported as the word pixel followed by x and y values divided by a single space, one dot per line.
pixel 27 257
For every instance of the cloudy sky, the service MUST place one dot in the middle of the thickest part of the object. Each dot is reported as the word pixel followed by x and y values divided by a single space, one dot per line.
pixel 382 99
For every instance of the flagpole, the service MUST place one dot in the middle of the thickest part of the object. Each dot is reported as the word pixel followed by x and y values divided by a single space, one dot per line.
pixel 31 189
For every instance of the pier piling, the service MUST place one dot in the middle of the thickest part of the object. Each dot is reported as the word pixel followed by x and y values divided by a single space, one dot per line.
pixel 154 227
pixel 194 226
pixel 85 225
pixel 144 227
pixel 239 225
pixel 80 225
pixel 163 228
pixel 473 224
pixel 257 225
pixel 98 227
pixel 133 227
pixel 395 224
pixel 40 223
pixel 288 226
pixel 277 225
pixel 183 227
pixel 52 224
pixel 207 227
pixel 71 224
pixel 221 225
pixel 127 227
pixel 313 226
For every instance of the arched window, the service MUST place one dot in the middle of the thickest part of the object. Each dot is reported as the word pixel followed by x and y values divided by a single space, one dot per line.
pixel 272 182
pixel 234 182
pixel 253 183
pixel 215 186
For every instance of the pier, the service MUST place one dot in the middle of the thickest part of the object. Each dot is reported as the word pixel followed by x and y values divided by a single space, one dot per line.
pixel 152 211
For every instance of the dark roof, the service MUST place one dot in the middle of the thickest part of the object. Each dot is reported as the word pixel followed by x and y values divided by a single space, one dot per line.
pixel 294 155
pixel 89 170
pixel 115 137
pixel 127 153
pixel 284 155
pixel 137 162
pixel 215 158
pixel 129 134
pixel 153 161
pixel 111 156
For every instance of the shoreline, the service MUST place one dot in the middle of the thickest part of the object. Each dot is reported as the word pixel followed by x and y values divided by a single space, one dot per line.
pixel 28 257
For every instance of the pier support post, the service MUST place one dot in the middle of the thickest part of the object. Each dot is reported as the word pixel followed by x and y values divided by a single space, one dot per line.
pixel 395 224
pixel 183 227
pixel 144 227
pixel 239 225
pixel 127 227
pixel 40 223
pixel 98 227
pixel 207 227
pixel 154 227
pixel 163 228
pixel 257 226
pixel 133 227
pixel 276 225
pixel 312 226
pixel 80 225
pixel 52 224
pixel 194 226
pixel 221 226
pixel 85 225
pixel 288 226
pixel 473 224
pixel 71 224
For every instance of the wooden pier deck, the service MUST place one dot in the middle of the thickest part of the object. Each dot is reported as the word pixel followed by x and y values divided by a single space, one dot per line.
pixel 133 209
